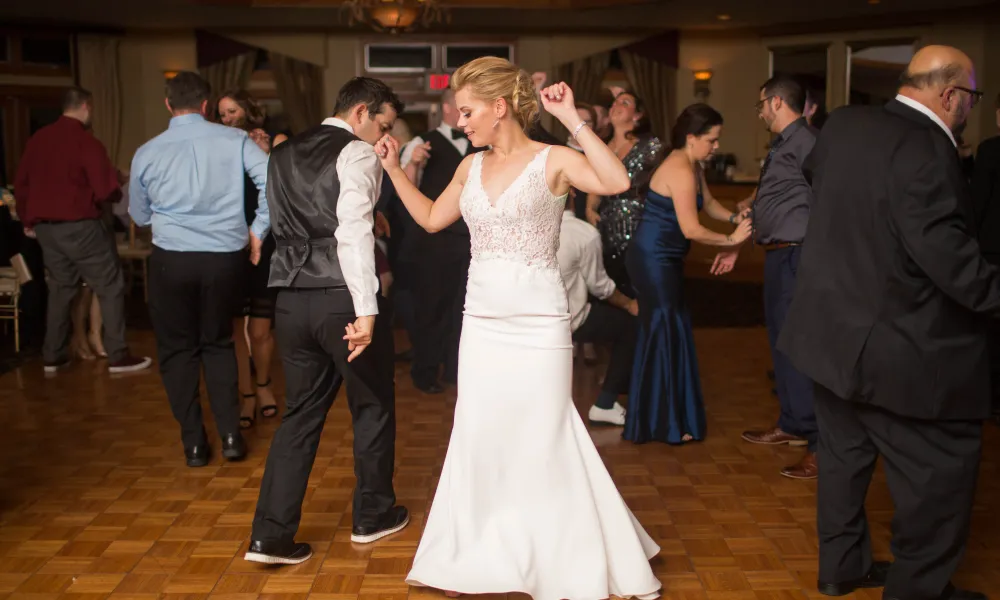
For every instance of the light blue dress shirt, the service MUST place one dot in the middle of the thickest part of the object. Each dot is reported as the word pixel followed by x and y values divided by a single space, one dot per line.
pixel 187 183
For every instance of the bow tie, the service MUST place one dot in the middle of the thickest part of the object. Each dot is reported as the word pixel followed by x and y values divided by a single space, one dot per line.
pixel 458 134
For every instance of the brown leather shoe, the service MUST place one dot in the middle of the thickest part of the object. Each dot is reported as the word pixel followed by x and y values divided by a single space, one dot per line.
pixel 774 437
pixel 806 469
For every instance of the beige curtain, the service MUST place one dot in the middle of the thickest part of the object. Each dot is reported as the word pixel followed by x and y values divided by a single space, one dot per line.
pixel 232 73
pixel 656 83
pixel 300 87
pixel 584 76
pixel 98 64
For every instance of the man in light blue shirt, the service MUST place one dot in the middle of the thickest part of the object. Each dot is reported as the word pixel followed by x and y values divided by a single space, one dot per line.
pixel 187 183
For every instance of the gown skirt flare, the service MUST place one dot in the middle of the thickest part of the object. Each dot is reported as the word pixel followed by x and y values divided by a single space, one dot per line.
pixel 665 400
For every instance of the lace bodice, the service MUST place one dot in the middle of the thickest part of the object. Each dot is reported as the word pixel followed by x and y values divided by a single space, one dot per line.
pixel 524 224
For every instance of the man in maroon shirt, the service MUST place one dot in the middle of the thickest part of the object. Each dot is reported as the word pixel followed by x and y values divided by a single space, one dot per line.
pixel 63 178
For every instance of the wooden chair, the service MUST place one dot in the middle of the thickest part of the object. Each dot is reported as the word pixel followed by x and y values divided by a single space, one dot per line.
pixel 11 280
pixel 133 250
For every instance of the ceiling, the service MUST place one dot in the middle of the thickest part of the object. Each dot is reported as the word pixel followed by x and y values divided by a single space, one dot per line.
pixel 483 16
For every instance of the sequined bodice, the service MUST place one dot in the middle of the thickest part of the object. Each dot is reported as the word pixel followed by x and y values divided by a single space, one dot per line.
pixel 620 213
pixel 523 225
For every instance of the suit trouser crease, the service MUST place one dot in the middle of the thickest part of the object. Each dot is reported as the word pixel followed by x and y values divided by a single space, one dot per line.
pixel 439 302
pixel 82 250
pixel 931 468
pixel 193 297
pixel 609 324
pixel 795 390
pixel 309 332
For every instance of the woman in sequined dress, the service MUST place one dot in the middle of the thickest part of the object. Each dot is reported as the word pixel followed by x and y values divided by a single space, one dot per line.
pixel 617 216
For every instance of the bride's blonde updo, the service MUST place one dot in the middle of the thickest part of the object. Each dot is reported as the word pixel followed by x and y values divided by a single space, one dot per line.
pixel 491 77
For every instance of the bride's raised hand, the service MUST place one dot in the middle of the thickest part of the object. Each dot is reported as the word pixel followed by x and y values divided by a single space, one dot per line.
pixel 387 150
pixel 558 101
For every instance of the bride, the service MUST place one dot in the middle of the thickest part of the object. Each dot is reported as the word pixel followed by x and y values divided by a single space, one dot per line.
pixel 524 503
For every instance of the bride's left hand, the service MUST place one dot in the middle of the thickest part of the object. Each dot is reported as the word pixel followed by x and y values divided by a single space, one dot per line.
pixel 558 101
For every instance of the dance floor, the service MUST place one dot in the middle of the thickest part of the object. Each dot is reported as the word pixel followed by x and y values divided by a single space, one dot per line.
pixel 95 500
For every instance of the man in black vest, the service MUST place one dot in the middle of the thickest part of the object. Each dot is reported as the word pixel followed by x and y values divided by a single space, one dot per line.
pixel 324 265
pixel 440 262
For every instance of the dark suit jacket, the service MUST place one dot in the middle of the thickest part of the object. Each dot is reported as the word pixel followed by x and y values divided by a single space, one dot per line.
pixel 891 289
pixel 986 194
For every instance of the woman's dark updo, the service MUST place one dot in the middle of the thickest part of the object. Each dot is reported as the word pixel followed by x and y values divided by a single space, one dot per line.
pixel 696 120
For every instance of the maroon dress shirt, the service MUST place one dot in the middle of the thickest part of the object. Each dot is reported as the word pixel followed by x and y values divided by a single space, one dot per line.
pixel 64 175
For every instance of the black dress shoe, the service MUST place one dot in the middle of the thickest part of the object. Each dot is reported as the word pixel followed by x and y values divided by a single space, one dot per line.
pixel 278 553
pixel 198 456
pixel 395 520
pixel 874 579
pixel 234 447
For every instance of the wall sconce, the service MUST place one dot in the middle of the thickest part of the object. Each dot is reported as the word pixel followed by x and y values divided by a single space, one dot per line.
pixel 702 84
pixel 169 75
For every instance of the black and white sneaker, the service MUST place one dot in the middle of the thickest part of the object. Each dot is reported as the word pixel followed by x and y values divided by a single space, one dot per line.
pixel 274 553
pixel 55 367
pixel 395 520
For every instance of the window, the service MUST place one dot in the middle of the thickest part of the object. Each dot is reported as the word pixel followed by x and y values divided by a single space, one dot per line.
pixel 36 53
pixel 24 110
pixel 456 55
pixel 399 58
pixel 873 70
pixel 48 51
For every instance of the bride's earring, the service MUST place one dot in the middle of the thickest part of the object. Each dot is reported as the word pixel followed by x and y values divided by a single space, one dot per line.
pixel 496 123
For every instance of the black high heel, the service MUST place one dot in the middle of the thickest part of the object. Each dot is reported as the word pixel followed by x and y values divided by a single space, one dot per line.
pixel 247 422
pixel 271 410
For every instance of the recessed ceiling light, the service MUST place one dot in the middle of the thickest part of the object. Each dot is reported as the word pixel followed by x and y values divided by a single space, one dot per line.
pixel 724 17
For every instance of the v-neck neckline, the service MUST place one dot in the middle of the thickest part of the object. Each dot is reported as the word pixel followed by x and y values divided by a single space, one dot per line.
pixel 482 185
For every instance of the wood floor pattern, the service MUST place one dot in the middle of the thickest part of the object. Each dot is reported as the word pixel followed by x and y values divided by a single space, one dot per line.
pixel 95 500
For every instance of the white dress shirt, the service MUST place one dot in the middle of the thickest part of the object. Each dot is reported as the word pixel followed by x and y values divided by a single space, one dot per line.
pixel 581 262
pixel 920 107
pixel 360 174
pixel 461 144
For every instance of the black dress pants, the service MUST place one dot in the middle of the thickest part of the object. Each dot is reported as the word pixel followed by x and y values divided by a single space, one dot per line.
pixel 439 301
pixel 931 468
pixel 610 324
pixel 309 329
pixel 192 299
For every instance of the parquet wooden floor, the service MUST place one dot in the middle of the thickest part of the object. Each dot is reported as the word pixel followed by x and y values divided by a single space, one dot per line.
pixel 97 502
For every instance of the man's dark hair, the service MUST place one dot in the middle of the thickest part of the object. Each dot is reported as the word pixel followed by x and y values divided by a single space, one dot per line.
pixel 788 89
pixel 75 97
pixel 187 91
pixel 998 102
pixel 945 75
pixel 373 93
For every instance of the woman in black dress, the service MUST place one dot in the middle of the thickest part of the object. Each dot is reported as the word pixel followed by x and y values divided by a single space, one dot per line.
pixel 236 108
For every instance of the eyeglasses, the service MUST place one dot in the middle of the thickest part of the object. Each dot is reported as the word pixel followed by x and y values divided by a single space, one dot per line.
pixel 760 103
pixel 976 94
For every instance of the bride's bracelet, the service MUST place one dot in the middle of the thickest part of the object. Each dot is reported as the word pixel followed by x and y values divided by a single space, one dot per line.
pixel 579 127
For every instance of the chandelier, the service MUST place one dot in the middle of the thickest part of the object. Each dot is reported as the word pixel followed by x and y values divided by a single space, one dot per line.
pixel 395 16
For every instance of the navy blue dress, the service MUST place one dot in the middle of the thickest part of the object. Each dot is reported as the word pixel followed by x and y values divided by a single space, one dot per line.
pixel 665 400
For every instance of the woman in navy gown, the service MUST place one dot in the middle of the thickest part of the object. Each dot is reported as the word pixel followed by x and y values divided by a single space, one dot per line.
pixel 665 402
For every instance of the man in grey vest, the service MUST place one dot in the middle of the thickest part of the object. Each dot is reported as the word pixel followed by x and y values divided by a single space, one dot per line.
pixel 322 188
pixel 439 263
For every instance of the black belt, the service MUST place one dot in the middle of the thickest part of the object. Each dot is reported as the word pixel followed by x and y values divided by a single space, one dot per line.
pixel 778 245
pixel 306 244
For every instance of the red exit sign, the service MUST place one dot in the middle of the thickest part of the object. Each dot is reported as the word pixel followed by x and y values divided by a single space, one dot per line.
pixel 439 82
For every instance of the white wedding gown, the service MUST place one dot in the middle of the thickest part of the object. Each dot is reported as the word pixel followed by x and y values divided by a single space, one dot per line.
pixel 524 503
